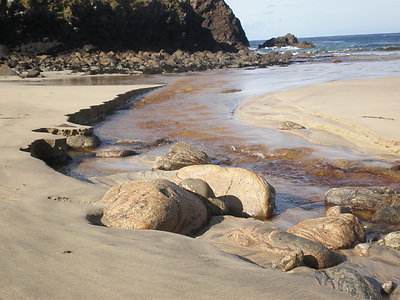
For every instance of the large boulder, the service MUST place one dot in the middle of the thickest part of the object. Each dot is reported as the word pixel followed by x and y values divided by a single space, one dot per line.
pixel 315 254
pixel 348 281
pixel 336 232
pixel 363 198
pixel 5 70
pixel 156 205
pixel 242 190
pixel 181 155
pixel 83 141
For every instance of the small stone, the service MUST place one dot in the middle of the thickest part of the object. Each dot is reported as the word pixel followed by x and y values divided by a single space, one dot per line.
pixel 392 240
pixel 290 261
pixel 362 249
pixel 388 288
pixel 289 125
pixel 337 210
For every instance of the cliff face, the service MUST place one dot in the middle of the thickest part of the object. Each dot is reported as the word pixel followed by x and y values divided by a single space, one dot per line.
pixel 123 24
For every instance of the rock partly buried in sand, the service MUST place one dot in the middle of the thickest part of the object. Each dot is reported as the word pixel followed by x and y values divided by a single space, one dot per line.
pixel 156 205
pixel 348 281
pixel 242 190
pixel 5 70
pixel 392 240
pixel 116 153
pixel 83 141
pixel 290 261
pixel 181 155
pixel 335 232
pixel 52 152
pixel 214 205
pixel 363 198
pixel 316 255
pixel 388 215
pixel 289 125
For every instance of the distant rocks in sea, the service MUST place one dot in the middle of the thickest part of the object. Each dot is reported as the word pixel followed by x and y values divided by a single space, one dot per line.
pixel 286 41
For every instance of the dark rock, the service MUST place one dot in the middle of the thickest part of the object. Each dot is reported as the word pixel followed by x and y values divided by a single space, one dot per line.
pixel 181 155
pixel 4 51
pixel 285 41
pixel 53 152
pixel 39 48
pixel 363 198
pixel 348 281
pixel 388 215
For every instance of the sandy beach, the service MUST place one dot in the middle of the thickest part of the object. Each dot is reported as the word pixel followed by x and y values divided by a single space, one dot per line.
pixel 50 251
pixel 362 115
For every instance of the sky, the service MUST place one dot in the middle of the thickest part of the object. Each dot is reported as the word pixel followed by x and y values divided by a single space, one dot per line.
pixel 264 19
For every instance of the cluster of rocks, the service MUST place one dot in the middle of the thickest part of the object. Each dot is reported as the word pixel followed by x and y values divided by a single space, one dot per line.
pixel 285 41
pixel 130 62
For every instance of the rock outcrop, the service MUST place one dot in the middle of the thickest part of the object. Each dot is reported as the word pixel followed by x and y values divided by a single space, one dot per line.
pixel 285 41
pixel 363 198
pixel 336 232
pixel 242 190
pixel 156 205
pixel 388 215
pixel 118 24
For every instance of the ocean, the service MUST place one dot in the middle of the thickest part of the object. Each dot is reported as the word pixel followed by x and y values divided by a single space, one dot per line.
pixel 387 44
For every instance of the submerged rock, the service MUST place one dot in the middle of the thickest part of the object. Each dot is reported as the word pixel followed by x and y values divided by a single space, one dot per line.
pixel 285 41
pixel 348 281
pixel 83 141
pixel 363 198
pixel 335 232
pixel 181 155
pixel 116 153
pixel 156 205
pixel 242 190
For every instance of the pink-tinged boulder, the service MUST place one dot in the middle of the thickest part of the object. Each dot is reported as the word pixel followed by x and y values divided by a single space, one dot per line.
pixel 336 232
pixel 156 205
pixel 315 255
pixel 242 190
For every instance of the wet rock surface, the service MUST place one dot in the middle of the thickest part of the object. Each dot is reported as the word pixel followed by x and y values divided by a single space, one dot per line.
pixel 361 198
pixel 348 281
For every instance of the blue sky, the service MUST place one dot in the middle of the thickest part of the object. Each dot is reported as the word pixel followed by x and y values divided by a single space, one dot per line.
pixel 263 19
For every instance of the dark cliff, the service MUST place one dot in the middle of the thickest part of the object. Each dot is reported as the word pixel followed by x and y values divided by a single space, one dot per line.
pixel 190 25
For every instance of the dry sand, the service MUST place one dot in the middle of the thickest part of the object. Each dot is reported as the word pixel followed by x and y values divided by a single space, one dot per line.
pixel 363 115
pixel 50 251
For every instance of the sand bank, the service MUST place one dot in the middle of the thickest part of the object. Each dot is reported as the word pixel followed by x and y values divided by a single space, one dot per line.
pixel 50 251
pixel 363 115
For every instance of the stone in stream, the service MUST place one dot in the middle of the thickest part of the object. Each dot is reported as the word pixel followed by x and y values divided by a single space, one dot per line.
pixel 156 205
pixel 335 232
pixel 392 240
pixel 316 255
pixel 116 153
pixel 348 281
pixel 83 141
pixel 388 215
pixel 181 155
pixel 242 190
pixel 363 198
pixel 214 205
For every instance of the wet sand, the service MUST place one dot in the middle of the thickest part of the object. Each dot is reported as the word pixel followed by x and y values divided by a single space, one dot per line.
pixel 50 251
pixel 363 115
